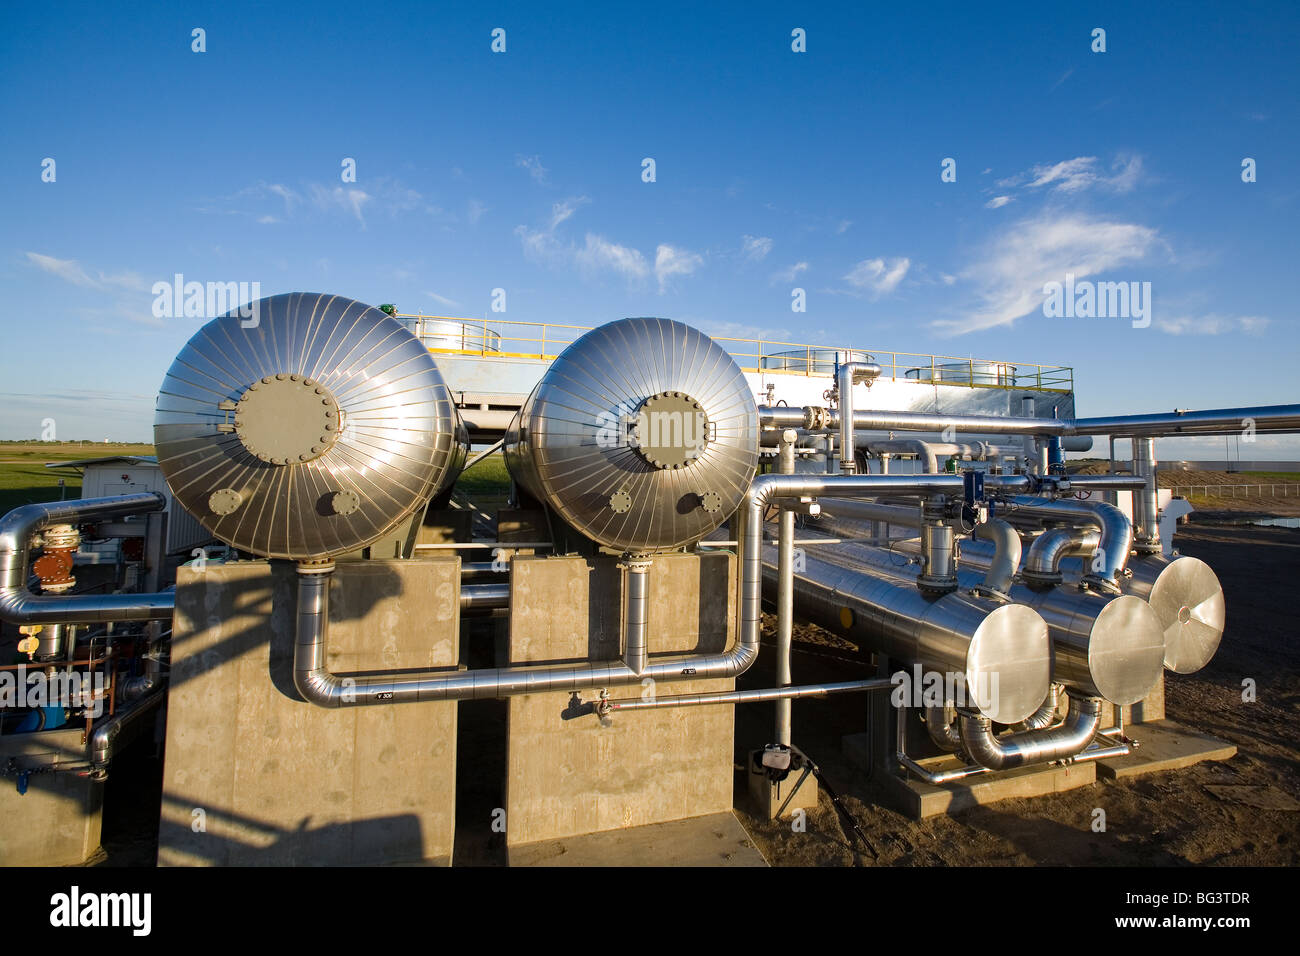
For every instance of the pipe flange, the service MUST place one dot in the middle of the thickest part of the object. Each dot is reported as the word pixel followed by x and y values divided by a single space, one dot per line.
pixel 936 587
pixel 287 419
pixel 316 566
pixel 1099 584
pixel 620 502
pixel 710 501
pixel 1041 580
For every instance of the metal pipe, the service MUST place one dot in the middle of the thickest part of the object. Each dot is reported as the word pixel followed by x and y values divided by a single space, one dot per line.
pixel 1006 556
pixel 848 375
pixel 1027 442
pixel 477 597
pixel 1103 645
pixel 318 685
pixel 1221 421
pixel 1146 507
pixel 19 606
pixel 1116 530
pixel 1043 562
pixel 1082 721
pixel 925 451
pixel 942 729
pixel 1001 652
pixel 1046 715
pixel 103 742
pixel 785 590
pixel 636 603
pixel 778 694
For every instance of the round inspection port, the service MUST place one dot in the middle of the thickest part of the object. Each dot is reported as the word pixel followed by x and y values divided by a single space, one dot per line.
pixel 287 419
pixel 671 430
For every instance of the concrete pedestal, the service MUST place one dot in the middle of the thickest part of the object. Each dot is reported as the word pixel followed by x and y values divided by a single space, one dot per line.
pixel 255 775
pixel 566 773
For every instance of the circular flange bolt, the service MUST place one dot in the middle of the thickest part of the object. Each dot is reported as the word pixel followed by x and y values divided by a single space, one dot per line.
pixel 225 501
pixel 671 430
pixel 620 502
pixel 345 502
pixel 287 419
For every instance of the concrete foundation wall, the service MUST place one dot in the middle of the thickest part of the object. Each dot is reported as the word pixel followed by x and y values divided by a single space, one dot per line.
pixel 280 781
pixel 567 777
pixel 57 821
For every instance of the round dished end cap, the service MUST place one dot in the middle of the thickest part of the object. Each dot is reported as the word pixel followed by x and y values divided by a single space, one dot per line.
pixel 1188 599
pixel 344 502
pixel 1009 664
pixel 1126 650
pixel 225 501
pixel 620 502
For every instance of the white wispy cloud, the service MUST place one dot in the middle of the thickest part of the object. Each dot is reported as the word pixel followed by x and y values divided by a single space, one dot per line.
pixel 565 208
pixel 443 299
pixel 351 200
pixel 1026 255
pixel 1078 174
pixel 791 273
pixel 878 276
pixel 673 261
pixel 474 211
pixel 997 202
pixel 843 227
pixel 70 270
pixel 1212 324
pixel 755 248
pixel 599 254
pixel 533 164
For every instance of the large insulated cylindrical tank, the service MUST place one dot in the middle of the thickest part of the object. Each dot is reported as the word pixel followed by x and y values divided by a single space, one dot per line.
pixel 1002 652
pixel 1184 592
pixel 1103 645
pixel 642 435
pixel 309 429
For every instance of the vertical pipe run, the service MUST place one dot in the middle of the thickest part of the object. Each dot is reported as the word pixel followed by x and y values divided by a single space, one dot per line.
pixel 635 603
pixel 785 593
pixel 1146 503
pixel 1027 443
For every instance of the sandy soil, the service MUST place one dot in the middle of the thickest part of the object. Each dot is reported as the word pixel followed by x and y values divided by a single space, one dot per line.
pixel 1242 811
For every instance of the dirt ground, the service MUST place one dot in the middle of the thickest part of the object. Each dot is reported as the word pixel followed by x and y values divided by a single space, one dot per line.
pixel 1244 811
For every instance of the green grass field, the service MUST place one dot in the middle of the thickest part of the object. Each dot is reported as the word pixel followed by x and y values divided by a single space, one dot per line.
pixel 24 479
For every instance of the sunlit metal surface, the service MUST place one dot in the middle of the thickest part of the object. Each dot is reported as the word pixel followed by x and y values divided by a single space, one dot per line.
pixel 573 443
pixel 398 439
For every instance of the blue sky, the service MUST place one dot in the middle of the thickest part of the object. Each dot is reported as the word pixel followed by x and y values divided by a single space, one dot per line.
pixel 522 170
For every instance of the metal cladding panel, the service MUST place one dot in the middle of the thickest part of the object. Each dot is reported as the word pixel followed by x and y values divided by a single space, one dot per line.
pixel 397 440
pixel 569 443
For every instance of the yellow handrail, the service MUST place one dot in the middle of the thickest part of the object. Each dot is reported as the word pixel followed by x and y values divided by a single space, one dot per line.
pixel 513 338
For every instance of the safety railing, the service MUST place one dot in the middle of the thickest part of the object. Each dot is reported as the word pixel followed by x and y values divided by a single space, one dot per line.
pixel 508 338
pixel 1243 490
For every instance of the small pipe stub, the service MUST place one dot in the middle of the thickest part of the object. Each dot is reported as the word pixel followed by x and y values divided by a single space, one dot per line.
pixel 620 502
pixel 344 502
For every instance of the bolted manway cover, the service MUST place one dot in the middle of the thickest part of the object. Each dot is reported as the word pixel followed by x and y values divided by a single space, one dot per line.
pixel 642 435
pixel 308 432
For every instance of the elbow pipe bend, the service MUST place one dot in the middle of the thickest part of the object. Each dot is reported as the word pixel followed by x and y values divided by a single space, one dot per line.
pixel 1082 721
pixel 1006 554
